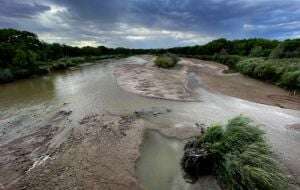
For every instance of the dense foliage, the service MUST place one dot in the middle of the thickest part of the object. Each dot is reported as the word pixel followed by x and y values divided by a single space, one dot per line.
pixel 245 47
pixel 166 60
pixel 284 72
pixel 237 154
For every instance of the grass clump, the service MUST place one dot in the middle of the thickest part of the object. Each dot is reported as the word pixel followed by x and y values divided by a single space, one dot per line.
pixel 166 61
pixel 237 154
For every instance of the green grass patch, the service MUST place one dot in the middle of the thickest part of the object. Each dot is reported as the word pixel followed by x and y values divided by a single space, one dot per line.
pixel 237 154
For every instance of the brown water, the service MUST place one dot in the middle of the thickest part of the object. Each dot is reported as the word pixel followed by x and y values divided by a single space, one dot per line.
pixel 159 165
pixel 93 89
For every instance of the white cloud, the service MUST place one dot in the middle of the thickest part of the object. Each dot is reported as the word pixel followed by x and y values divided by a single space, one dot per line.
pixel 83 43
pixel 55 17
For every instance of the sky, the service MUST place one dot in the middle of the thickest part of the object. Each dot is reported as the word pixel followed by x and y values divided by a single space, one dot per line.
pixel 151 23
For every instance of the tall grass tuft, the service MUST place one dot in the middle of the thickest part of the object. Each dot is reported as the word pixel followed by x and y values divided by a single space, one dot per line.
pixel 240 157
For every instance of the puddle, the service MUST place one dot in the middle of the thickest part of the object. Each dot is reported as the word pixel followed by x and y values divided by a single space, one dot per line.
pixel 159 165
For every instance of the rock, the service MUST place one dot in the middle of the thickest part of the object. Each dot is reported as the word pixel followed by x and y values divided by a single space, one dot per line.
pixel 196 162
pixel 65 113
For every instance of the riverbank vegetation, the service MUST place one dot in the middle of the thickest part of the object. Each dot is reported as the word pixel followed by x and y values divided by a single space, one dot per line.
pixel 22 55
pixel 166 60
pixel 237 154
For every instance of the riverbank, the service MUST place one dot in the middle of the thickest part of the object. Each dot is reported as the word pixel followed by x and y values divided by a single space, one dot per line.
pixel 181 83
pixel 214 78
pixel 12 74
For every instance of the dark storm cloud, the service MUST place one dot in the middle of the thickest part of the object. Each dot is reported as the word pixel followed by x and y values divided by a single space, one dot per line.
pixel 152 23
pixel 17 8
pixel 221 17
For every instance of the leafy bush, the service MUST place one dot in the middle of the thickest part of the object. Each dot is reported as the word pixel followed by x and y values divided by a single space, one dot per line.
pixel 166 60
pixel 229 60
pixel 291 79
pixel 257 51
pixel 283 72
pixel 237 154
pixel 287 49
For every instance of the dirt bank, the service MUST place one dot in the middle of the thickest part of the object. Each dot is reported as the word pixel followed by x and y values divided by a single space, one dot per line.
pixel 213 78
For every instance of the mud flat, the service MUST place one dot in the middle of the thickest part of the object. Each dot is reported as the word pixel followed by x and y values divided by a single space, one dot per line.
pixel 150 81
pixel 181 83
pixel 214 79
pixel 100 154
pixel 21 153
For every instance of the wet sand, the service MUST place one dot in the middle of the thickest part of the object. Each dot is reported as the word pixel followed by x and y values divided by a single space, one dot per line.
pixel 100 154
pixel 20 155
pixel 214 79
pixel 177 83
pixel 151 81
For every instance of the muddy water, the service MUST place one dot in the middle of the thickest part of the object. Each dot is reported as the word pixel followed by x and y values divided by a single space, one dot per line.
pixel 93 89
pixel 159 165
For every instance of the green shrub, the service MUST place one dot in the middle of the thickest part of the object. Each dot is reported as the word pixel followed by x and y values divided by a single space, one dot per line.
pixel 287 49
pixel 239 154
pixel 166 61
pixel 290 80
pixel 257 51
pixel 229 60
pixel 283 72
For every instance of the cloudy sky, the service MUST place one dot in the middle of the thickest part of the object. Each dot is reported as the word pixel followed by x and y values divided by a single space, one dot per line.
pixel 151 23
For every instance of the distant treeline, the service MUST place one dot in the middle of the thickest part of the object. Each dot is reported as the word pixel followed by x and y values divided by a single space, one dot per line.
pixel 22 54
pixel 248 47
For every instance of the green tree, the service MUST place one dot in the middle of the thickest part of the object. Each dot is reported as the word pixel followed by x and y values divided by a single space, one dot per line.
pixel 20 58
pixel 257 51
